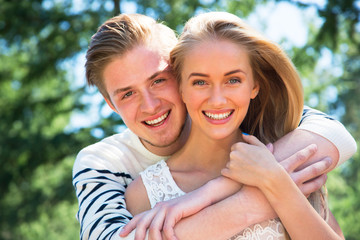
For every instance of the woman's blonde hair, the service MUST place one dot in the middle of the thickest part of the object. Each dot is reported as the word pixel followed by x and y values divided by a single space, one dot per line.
pixel 278 106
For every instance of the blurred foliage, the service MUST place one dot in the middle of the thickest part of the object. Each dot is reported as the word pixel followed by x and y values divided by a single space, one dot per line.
pixel 37 98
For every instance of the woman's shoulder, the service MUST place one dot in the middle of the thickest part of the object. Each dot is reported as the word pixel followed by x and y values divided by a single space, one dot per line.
pixel 136 197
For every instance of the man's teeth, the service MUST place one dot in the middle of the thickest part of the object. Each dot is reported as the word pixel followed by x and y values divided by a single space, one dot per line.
pixel 157 120
pixel 218 116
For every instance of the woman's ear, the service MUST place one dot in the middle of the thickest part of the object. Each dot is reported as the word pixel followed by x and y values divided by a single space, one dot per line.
pixel 255 91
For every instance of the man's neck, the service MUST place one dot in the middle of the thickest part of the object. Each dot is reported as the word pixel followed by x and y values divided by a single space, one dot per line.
pixel 174 146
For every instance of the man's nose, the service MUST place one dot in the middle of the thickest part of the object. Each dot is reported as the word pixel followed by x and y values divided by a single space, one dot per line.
pixel 150 103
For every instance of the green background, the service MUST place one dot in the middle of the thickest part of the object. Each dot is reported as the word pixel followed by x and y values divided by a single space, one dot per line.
pixel 40 44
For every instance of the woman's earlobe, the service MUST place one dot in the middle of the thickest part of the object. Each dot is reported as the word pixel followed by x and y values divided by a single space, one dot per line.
pixel 255 93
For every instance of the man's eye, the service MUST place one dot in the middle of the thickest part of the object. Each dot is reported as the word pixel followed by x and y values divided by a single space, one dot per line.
pixel 234 80
pixel 157 81
pixel 128 94
pixel 199 82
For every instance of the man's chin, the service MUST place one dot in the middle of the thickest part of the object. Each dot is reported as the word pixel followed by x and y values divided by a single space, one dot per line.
pixel 163 144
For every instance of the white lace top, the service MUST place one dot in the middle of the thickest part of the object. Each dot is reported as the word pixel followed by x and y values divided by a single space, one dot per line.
pixel 161 186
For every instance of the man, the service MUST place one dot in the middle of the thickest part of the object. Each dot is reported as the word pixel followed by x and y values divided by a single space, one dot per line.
pixel 128 61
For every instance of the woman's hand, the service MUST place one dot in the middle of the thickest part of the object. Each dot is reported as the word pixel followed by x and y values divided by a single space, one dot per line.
pixel 252 159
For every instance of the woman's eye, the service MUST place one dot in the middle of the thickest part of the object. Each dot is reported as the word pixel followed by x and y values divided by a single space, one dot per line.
pixel 199 82
pixel 234 80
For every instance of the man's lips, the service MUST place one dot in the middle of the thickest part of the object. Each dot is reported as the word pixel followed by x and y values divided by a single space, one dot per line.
pixel 157 121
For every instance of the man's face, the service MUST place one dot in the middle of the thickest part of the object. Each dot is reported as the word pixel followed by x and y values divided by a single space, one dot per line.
pixel 144 92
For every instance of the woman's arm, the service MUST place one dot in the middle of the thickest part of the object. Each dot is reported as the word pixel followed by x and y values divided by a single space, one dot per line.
pixel 252 160
pixel 136 197
pixel 296 213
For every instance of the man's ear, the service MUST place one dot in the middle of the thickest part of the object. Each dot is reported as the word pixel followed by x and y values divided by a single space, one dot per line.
pixel 110 104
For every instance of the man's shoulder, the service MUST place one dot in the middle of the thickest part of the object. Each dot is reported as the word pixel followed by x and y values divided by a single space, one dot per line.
pixel 116 142
pixel 119 152
pixel 110 150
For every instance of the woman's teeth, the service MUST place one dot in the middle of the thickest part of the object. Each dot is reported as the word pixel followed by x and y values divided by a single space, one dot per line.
pixel 218 116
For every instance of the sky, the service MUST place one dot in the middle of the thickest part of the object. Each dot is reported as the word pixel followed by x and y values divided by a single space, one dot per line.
pixel 280 21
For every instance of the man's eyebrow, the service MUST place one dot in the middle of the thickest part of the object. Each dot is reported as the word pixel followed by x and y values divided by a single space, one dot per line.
pixel 154 75
pixel 234 71
pixel 166 70
pixel 195 74
pixel 120 90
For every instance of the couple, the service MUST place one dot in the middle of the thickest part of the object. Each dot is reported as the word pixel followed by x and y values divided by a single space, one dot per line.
pixel 128 61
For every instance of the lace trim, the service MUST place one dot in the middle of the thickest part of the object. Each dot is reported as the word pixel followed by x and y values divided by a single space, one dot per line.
pixel 268 230
pixel 160 185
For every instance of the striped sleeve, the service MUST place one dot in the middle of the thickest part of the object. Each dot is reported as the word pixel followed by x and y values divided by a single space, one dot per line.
pixel 331 129
pixel 102 210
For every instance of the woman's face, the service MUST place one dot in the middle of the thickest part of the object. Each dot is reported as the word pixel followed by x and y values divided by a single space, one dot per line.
pixel 217 85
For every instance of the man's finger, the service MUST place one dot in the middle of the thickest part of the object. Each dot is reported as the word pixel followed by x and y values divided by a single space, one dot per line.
pixel 312 171
pixel 313 185
pixel 129 226
pixel 156 226
pixel 270 147
pixel 298 158
pixel 169 228
pixel 172 218
pixel 143 225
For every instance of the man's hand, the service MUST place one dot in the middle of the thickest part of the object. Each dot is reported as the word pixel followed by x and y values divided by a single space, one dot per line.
pixel 310 178
pixel 161 219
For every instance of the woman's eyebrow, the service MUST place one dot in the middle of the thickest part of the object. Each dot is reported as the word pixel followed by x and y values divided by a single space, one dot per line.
pixel 197 75
pixel 234 71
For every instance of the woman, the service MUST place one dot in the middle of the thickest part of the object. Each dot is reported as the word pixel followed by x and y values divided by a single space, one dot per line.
pixel 233 80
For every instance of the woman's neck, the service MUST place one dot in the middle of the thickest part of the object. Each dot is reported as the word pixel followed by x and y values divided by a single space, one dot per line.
pixel 203 153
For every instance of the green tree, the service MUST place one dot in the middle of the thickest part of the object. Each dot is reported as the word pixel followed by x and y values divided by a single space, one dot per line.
pixel 36 100
pixel 38 38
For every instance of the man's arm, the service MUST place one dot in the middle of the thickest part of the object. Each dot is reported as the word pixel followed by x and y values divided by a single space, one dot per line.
pixel 101 173
pixel 102 210
pixel 223 219
pixel 329 129
pixel 251 208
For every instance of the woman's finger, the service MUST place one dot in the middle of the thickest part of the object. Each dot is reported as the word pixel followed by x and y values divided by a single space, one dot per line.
pixel 252 140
